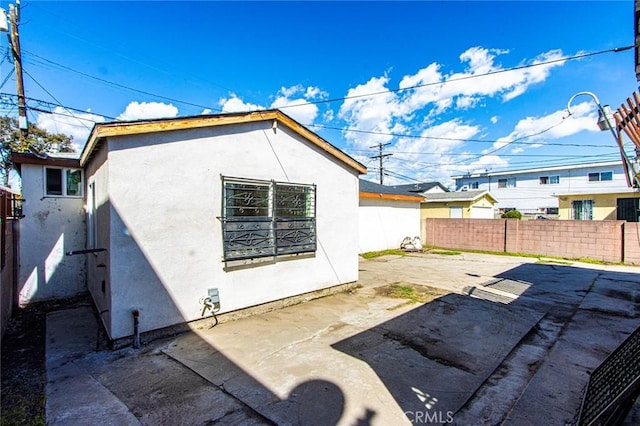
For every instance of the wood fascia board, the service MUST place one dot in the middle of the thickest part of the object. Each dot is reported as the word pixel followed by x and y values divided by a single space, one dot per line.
pixel 101 131
pixel 321 143
pixel 25 158
pixel 394 197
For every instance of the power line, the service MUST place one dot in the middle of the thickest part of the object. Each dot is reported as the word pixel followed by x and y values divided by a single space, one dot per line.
pixel 9 99
pixel 122 86
pixel 467 77
pixel 410 136
pixel 338 99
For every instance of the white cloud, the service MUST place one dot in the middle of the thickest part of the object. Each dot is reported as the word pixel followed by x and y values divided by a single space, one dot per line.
pixel 76 125
pixel 305 113
pixel 235 104
pixel 315 93
pixel 370 113
pixel 552 126
pixel 144 110
pixel 494 119
pixel 430 93
pixel 206 111
pixel 294 101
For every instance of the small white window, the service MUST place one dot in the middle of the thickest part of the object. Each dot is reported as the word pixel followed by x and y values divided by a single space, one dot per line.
pixel 61 182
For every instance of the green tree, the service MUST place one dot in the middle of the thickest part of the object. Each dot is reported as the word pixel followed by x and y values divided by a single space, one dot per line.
pixel 37 138
pixel 512 214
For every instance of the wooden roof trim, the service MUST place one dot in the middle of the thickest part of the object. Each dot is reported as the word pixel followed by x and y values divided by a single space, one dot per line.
pixel 28 158
pixel 101 131
pixel 394 197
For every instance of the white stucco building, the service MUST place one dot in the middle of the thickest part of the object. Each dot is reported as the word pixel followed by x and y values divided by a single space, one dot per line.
pixel 252 207
pixel 535 190
pixel 54 220
pixel 386 216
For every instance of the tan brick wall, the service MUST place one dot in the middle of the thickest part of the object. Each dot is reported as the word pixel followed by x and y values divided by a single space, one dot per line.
pixel 599 240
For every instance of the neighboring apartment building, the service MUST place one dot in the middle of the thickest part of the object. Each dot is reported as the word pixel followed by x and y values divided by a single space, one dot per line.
pixel 535 191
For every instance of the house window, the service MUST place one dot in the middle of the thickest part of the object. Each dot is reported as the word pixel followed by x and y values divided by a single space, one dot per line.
pixel 582 209
pixel 60 182
pixel 507 183
pixel 600 176
pixel 549 180
pixel 474 185
pixel 267 218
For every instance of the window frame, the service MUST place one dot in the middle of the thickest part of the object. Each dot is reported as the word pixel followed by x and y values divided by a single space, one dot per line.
pixel 586 208
pixel 508 183
pixel 273 232
pixel 474 185
pixel 600 176
pixel 549 180
pixel 64 184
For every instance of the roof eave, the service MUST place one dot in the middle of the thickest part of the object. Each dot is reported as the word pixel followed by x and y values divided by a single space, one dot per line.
pixel 29 158
pixel 393 197
pixel 101 131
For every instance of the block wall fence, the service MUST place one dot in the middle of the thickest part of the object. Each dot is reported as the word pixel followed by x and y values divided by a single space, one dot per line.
pixel 608 240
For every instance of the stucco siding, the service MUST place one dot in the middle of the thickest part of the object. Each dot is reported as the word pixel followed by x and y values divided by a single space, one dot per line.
pixel 383 224
pixel 604 205
pixel 50 227
pixel 98 265
pixel 166 235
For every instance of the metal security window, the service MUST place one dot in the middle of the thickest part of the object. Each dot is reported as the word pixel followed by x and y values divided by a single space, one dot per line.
pixel 549 180
pixel 582 209
pixel 600 176
pixel 59 182
pixel 507 183
pixel 267 218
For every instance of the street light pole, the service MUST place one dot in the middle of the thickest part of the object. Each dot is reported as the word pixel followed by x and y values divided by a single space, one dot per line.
pixel 604 123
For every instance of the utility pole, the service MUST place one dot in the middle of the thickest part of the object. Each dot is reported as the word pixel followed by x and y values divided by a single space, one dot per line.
pixel 381 156
pixel 14 42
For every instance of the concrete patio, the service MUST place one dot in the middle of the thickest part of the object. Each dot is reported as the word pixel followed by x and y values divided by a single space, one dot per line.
pixel 508 340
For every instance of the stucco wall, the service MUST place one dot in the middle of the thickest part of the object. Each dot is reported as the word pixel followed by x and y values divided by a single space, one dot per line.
pixel 97 199
pixel 383 224
pixel 51 226
pixel 166 235
pixel 604 205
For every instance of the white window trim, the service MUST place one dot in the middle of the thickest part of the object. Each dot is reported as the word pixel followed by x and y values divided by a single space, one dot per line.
pixel 64 183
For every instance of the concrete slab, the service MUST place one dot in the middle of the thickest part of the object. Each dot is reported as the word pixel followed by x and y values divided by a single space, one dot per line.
pixel 73 395
pixel 359 358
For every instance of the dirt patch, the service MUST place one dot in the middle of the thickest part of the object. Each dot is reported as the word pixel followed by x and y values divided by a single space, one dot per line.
pixel 23 396
pixel 412 292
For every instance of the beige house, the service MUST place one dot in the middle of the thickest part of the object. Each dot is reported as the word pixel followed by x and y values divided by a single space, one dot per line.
pixel 622 205
pixel 458 205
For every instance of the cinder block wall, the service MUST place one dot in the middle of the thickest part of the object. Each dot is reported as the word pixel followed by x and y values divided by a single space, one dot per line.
pixel 471 234
pixel 608 241
pixel 632 243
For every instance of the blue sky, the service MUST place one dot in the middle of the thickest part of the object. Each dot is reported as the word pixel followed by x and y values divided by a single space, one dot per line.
pixel 134 60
